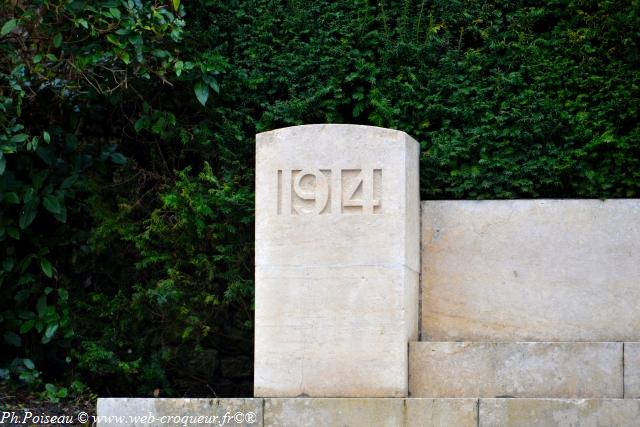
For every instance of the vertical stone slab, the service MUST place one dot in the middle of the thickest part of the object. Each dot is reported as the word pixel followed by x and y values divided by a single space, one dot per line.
pixel 531 270
pixel 337 261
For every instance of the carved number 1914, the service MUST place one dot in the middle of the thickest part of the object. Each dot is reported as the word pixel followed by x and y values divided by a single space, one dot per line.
pixel 319 191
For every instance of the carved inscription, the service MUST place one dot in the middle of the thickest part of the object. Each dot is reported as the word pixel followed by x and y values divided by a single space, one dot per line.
pixel 323 191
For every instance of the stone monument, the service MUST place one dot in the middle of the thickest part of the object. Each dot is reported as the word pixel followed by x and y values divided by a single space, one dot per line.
pixel 337 261
pixel 529 308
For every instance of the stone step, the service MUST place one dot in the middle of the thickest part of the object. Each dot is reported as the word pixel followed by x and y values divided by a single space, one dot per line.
pixel 298 412
pixel 559 412
pixel 366 412
pixel 516 369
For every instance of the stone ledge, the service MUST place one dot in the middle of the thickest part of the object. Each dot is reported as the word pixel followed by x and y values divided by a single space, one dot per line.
pixel 366 412
pixel 392 412
pixel 353 412
pixel 519 369
pixel 559 412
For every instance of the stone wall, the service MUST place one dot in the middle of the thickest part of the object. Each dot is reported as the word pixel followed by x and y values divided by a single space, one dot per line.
pixel 531 270
pixel 526 314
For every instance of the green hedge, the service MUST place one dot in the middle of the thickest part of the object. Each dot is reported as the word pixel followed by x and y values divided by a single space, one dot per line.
pixel 127 150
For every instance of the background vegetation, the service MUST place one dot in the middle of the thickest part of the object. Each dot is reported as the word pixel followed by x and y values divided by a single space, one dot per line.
pixel 127 150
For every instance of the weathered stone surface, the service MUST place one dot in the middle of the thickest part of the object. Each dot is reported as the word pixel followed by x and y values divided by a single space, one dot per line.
pixel 354 412
pixel 441 413
pixel 363 412
pixel 361 211
pixel 559 413
pixel 531 270
pixel 476 369
pixel 337 259
pixel 336 348
pixel 632 370
pixel 366 412
pixel 128 412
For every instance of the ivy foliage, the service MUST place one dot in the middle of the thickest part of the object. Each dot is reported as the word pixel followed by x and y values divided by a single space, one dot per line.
pixel 127 149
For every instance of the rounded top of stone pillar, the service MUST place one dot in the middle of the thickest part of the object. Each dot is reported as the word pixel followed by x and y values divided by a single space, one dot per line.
pixel 337 130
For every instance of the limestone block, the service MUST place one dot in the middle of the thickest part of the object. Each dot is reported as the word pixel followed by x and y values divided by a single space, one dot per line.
pixel 337 261
pixel 441 413
pixel 632 370
pixel 366 412
pixel 336 339
pixel 559 412
pixel 533 369
pixel 345 412
pixel 531 270
pixel 136 412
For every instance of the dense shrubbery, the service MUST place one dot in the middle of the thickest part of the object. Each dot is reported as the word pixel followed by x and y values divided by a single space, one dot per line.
pixel 126 153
